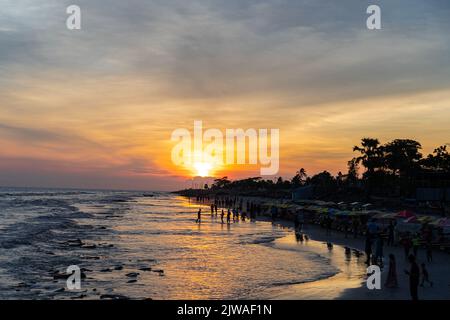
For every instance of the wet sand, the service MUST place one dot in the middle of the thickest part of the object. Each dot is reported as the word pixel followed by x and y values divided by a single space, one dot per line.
pixel 350 283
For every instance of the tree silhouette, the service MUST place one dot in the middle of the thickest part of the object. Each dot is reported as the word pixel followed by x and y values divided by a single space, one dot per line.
pixel 438 161
pixel 371 158
pixel 402 156
pixel 300 178
pixel 352 174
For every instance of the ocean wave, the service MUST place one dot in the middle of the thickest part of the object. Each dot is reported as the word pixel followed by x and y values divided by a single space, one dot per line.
pixel 319 277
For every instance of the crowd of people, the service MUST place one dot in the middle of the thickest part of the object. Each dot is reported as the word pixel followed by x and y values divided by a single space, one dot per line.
pixel 235 207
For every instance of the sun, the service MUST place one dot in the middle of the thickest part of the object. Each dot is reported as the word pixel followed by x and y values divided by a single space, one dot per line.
pixel 202 168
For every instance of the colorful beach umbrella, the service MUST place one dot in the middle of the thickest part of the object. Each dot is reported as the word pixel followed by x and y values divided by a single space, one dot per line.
pixel 405 214
pixel 425 219
pixel 382 215
pixel 412 220
pixel 444 222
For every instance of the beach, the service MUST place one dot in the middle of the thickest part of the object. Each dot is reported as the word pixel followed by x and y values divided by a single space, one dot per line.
pixel 350 282
pixel 135 245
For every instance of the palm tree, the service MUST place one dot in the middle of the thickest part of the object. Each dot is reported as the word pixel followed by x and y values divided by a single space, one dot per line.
pixel 402 156
pixel 300 178
pixel 352 174
pixel 438 161
pixel 371 157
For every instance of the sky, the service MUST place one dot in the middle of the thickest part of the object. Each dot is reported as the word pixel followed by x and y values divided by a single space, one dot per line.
pixel 95 108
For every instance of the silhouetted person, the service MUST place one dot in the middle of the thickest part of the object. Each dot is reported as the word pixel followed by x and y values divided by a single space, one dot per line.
pixel 229 216
pixel 355 228
pixel 391 281
pixel 416 244
pixel 221 216
pixel 212 209
pixel 328 222
pixel 414 277
pixel 429 252
pixel 215 208
pixel 406 246
pixel 368 248
pixel 274 212
pixel 379 249
pixel 346 227
pixel 199 216
pixel 391 228
pixel 425 276
pixel 296 222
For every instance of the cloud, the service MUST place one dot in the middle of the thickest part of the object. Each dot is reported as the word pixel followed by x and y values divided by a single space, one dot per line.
pixel 111 93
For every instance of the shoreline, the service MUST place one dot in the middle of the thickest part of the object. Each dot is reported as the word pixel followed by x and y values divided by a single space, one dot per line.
pixel 349 282
pixel 351 269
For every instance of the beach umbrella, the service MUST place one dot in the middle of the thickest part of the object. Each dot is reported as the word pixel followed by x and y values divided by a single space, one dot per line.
pixel 333 211
pixel 341 213
pixel 424 219
pixel 321 210
pixel 380 215
pixel 412 220
pixel 444 222
pixel 405 214
pixel 435 222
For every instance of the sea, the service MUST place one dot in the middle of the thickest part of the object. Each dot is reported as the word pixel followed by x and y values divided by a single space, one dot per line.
pixel 141 245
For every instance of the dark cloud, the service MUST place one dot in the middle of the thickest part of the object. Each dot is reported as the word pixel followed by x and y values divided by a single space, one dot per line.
pixel 223 48
pixel 286 55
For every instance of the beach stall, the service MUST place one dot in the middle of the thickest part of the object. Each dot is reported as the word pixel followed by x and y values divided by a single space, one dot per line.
pixel 411 225
pixel 442 230
pixel 444 224
pixel 382 219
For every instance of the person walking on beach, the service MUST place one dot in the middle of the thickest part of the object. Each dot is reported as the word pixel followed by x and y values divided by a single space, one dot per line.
pixel 199 216
pixel 416 244
pixel 212 209
pixel 391 281
pixel 347 226
pixel 215 208
pixel 414 277
pixel 379 249
pixel 228 216
pixel 368 248
pixel 296 222
pixel 274 212
pixel 406 241
pixel 235 215
pixel 355 227
pixel 429 252
pixel 221 216
pixel 391 233
pixel 425 276
pixel 329 222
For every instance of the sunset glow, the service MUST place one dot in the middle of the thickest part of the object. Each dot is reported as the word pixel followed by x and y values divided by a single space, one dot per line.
pixel 203 169
pixel 99 109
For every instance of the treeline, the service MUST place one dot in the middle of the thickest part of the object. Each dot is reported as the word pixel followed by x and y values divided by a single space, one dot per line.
pixel 396 168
